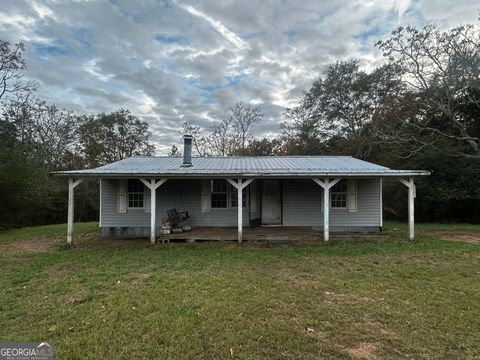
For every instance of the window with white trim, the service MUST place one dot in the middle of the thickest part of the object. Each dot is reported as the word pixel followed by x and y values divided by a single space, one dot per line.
pixel 135 193
pixel 224 195
pixel 338 195
pixel 219 196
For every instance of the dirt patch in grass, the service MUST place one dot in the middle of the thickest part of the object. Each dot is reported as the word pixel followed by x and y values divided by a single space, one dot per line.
pixel 467 237
pixel 40 245
pixel 364 350
pixel 140 277
pixel 63 270
pixel 93 240
pixel 81 241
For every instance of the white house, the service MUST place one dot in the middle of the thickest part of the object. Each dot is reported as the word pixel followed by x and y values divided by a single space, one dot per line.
pixel 325 193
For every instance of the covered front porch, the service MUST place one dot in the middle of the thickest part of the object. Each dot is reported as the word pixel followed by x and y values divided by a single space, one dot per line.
pixel 305 203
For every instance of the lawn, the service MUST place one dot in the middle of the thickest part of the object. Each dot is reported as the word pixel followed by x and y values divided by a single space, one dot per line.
pixel 370 299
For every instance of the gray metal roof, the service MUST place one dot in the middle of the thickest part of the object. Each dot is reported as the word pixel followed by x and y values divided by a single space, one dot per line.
pixel 263 166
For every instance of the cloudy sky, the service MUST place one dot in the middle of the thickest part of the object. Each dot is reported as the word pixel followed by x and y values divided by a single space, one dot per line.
pixel 175 61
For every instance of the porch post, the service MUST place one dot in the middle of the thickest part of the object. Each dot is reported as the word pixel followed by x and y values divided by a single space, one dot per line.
pixel 153 211
pixel 411 206
pixel 326 185
pixel 71 198
pixel 240 184
pixel 240 210
pixel 153 185
pixel 326 211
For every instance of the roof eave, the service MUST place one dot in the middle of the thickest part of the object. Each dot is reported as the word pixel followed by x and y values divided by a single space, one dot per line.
pixel 393 174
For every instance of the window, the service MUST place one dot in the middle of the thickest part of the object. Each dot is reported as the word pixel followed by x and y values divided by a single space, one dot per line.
pixel 224 195
pixel 339 194
pixel 135 190
pixel 234 197
pixel 219 193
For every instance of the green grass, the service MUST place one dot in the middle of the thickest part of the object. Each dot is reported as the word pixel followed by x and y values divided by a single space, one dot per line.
pixel 389 299
pixel 47 231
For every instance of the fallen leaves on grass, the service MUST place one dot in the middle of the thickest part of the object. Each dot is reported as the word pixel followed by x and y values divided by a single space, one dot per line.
pixel 363 350
pixel 71 301
pixel 40 245
pixel 470 238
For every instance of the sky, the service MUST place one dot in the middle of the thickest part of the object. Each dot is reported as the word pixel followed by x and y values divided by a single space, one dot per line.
pixel 174 61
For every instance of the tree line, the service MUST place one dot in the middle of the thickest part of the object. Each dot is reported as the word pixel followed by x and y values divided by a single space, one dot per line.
pixel 419 110
pixel 37 137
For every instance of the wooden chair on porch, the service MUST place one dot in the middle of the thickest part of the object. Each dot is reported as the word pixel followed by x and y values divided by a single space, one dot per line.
pixel 175 218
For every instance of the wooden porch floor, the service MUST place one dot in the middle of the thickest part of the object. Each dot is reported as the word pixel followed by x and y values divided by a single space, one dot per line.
pixel 280 234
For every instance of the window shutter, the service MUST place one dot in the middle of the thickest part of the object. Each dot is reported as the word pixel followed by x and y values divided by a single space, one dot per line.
pixel 122 196
pixel 147 196
pixel 352 195
pixel 205 196
pixel 253 196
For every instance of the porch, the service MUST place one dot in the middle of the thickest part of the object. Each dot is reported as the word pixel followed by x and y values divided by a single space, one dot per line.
pixel 296 206
pixel 264 234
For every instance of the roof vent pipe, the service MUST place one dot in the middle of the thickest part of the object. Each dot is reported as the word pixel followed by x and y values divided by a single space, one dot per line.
pixel 187 150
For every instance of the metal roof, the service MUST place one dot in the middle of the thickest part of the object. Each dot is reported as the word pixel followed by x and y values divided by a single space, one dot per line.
pixel 259 166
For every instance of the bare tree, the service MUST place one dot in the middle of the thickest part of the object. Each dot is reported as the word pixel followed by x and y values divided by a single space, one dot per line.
pixel 12 66
pixel 201 146
pixel 442 74
pixel 174 151
pixel 222 139
pixel 228 137
pixel 243 119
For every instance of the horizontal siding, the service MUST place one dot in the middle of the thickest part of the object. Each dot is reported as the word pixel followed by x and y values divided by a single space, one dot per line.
pixel 368 206
pixel 110 215
pixel 183 195
pixel 302 205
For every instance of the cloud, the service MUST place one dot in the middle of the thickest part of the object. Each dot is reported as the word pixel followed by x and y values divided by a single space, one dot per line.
pixel 184 60
pixel 217 25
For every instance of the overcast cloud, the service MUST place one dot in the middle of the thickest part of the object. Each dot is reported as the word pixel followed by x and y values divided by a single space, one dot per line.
pixel 175 61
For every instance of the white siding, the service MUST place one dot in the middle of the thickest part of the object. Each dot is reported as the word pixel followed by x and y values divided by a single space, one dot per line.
pixel 302 205
pixel 183 195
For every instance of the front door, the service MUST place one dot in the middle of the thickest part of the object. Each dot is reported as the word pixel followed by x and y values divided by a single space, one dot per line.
pixel 271 202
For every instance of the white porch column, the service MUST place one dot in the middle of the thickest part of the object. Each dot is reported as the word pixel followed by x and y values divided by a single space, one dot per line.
pixel 72 184
pixel 326 185
pixel 326 210
pixel 412 194
pixel 152 184
pixel 240 184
